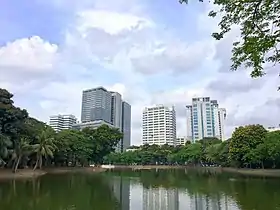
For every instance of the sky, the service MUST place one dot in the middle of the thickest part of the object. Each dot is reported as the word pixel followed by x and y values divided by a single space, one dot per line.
pixel 150 52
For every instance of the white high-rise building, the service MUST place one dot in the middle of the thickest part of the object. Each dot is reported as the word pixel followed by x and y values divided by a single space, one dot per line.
pixel 205 119
pixel 159 125
pixel 62 122
pixel 222 113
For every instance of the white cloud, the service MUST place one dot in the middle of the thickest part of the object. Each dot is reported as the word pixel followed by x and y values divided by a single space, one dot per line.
pixel 121 44
pixel 32 55
pixel 27 63
pixel 110 22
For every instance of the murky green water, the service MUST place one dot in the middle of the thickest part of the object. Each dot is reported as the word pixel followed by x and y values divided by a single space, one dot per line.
pixel 146 190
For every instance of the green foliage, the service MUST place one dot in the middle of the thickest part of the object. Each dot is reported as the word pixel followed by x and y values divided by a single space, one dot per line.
pixel 259 24
pixel 27 142
pixel 250 146
pixel 243 140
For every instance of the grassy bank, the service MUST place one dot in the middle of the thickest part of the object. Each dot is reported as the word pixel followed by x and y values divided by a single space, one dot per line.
pixel 29 173
pixel 253 172
pixel 245 172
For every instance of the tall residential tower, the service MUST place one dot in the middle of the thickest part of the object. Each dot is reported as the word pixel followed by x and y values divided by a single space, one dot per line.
pixel 159 125
pixel 205 119
pixel 100 106
pixel 96 105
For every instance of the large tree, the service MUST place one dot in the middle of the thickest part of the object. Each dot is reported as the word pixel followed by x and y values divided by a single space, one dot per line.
pixel 11 117
pixel 243 140
pixel 259 24
pixel 104 140
pixel 11 123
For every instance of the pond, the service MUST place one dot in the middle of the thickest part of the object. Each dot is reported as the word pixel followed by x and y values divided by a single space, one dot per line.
pixel 141 190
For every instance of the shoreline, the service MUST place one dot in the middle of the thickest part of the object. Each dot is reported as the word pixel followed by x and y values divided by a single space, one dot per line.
pixel 269 173
pixel 239 171
pixel 6 174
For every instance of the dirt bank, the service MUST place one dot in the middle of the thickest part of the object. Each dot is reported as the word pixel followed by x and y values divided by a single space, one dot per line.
pixel 21 173
pixel 29 173
pixel 62 170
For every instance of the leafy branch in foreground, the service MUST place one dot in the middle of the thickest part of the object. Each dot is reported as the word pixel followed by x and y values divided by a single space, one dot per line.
pixel 259 24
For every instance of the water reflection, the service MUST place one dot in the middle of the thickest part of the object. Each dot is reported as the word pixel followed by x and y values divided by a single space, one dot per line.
pixel 143 190
pixel 176 190
pixel 131 194
pixel 121 189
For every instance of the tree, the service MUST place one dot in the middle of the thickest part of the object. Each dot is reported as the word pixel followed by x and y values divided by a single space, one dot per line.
pixel 11 117
pixel 193 153
pixel 272 145
pixel 104 140
pixel 259 25
pixel 22 148
pixel 45 146
pixel 5 143
pixel 243 140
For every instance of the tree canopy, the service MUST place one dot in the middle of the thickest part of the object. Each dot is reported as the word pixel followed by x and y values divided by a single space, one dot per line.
pixel 28 142
pixel 250 146
pixel 259 25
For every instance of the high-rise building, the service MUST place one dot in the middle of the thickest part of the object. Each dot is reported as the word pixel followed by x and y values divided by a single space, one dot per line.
pixel 62 122
pixel 100 106
pixel 126 125
pixel 205 119
pixel 116 109
pixel 159 125
pixel 96 105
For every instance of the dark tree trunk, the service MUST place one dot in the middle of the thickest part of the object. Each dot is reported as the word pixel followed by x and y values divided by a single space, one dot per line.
pixel 17 163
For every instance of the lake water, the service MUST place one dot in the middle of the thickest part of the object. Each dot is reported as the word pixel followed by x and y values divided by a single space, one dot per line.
pixel 146 190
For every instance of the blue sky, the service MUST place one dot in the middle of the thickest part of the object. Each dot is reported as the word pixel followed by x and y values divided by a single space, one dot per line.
pixel 148 51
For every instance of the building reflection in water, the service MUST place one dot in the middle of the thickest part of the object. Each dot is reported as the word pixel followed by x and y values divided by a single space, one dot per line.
pixel 132 195
pixel 121 189
pixel 204 202
pixel 160 199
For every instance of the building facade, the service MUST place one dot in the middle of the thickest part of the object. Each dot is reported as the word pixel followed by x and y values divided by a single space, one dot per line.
pixel 181 141
pixel 96 105
pixel 159 125
pixel 93 125
pixel 62 122
pixel 116 110
pixel 126 125
pixel 205 119
pixel 100 106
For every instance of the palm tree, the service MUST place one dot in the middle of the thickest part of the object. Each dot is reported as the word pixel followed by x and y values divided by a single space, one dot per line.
pixel 44 148
pixel 22 148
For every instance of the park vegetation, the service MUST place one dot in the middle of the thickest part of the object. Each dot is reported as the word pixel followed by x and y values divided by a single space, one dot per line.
pixel 250 146
pixel 29 143
pixel 258 24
